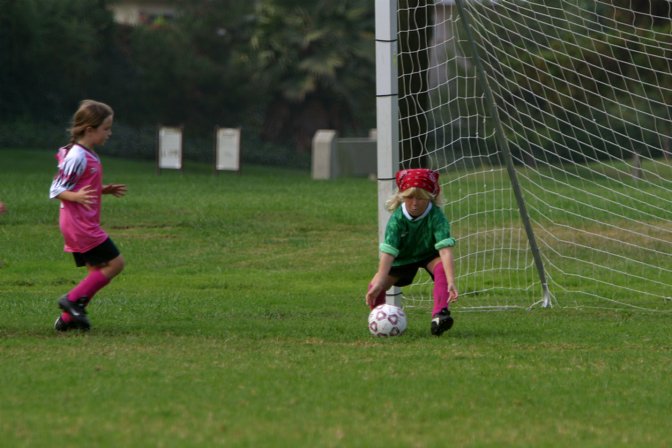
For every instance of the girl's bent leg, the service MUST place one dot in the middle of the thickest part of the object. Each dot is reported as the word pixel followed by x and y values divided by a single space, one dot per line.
pixel 113 267
pixel 97 279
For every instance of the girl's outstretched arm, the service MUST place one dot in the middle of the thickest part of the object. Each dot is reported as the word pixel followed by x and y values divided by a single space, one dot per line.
pixel 85 196
pixel 446 255
pixel 382 280
pixel 117 190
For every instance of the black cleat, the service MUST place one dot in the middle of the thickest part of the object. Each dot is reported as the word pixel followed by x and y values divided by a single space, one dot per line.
pixel 441 322
pixel 77 310
pixel 61 325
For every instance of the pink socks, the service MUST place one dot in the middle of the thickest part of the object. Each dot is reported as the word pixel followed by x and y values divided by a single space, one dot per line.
pixel 440 289
pixel 88 287
pixel 440 292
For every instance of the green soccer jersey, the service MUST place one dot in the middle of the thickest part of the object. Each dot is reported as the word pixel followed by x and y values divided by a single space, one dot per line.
pixel 411 240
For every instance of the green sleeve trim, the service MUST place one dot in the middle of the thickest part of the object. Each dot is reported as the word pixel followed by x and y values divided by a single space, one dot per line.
pixel 389 249
pixel 448 242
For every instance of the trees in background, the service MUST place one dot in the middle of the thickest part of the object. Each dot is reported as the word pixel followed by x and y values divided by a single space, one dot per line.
pixel 279 69
pixel 52 54
pixel 315 66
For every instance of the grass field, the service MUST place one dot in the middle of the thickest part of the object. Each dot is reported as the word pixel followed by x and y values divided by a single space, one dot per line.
pixel 239 321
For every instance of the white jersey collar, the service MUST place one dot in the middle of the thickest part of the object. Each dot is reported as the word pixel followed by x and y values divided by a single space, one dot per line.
pixel 408 215
pixel 87 150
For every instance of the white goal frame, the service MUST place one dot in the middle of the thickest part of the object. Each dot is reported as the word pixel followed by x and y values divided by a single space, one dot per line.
pixel 387 116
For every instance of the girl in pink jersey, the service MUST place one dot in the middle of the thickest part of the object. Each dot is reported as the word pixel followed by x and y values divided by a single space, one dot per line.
pixel 79 187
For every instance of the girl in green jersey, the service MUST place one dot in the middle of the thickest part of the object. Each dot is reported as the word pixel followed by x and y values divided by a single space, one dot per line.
pixel 417 236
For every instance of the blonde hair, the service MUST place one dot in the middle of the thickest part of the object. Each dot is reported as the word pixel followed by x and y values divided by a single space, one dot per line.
pixel 90 114
pixel 396 199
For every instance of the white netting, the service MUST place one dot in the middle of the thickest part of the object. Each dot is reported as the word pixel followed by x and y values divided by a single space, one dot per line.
pixel 584 94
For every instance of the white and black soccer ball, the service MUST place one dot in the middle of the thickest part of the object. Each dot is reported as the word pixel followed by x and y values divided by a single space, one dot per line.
pixel 387 320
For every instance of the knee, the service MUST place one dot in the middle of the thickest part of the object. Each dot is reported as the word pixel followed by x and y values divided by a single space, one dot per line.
pixel 116 266
pixel 440 282
pixel 439 273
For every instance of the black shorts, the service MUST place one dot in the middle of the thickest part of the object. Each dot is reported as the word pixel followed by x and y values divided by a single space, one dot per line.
pixel 406 273
pixel 100 254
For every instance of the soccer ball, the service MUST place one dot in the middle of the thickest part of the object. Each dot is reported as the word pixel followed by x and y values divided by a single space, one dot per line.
pixel 387 320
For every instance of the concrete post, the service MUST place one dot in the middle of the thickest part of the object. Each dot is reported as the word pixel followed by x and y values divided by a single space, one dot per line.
pixel 323 154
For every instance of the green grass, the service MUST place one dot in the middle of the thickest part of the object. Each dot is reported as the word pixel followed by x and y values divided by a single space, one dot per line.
pixel 239 321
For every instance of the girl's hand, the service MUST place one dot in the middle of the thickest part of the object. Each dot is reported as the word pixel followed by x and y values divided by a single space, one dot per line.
pixel 452 293
pixel 374 291
pixel 85 196
pixel 117 190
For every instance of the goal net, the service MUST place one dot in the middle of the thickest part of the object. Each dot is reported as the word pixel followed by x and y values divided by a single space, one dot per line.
pixel 579 94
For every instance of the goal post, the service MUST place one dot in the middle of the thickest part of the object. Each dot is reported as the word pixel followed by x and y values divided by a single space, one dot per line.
pixel 387 115
pixel 550 122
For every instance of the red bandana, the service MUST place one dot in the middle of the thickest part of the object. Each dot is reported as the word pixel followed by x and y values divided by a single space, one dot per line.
pixel 420 177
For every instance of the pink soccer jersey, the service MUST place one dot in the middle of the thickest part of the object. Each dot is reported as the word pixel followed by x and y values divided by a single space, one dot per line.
pixel 77 168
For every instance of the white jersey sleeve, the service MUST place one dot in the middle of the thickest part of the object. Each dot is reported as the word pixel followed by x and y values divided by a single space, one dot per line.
pixel 71 166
